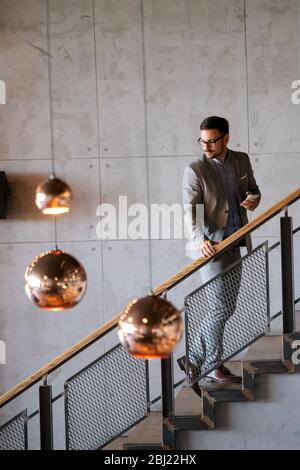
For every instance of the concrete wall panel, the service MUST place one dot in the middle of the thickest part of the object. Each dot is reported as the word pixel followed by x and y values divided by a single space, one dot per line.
pixel 83 177
pixel 73 78
pixel 25 118
pixel 123 177
pixel 273 64
pixel 124 280
pixel 120 77
pixel 165 178
pixel 24 130
pixel 195 66
pixel 277 177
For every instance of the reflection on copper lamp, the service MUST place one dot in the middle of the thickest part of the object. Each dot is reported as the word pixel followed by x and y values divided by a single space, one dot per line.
pixel 55 281
pixel 150 327
pixel 53 196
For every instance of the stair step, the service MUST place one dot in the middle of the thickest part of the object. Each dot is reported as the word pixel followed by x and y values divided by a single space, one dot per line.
pixel 147 431
pixel 212 387
pixel 267 347
pixel 195 423
pixel 228 395
pixel 189 411
pixel 193 412
pixel 187 403
pixel 269 367
pixel 117 444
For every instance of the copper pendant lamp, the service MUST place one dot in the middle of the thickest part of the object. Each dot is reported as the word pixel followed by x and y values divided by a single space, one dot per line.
pixel 150 327
pixel 52 196
pixel 55 281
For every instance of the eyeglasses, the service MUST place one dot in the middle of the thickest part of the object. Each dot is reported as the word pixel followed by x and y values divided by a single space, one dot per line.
pixel 209 143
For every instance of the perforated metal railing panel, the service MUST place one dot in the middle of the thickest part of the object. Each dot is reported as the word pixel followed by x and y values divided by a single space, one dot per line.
pixel 13 434
pixel 105 399
pixel 227 313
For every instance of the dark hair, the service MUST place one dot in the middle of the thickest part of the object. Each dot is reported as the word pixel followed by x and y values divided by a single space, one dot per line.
pixel 215 122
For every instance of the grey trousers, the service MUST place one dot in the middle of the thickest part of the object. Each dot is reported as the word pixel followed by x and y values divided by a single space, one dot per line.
pixel 221 303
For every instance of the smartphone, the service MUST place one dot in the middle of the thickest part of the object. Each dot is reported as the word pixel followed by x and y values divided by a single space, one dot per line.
pixel 252 197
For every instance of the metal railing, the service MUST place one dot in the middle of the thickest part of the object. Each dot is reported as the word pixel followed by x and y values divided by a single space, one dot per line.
pixel 13 434
pixel 109 397
pixel 95 413
pixel 227 313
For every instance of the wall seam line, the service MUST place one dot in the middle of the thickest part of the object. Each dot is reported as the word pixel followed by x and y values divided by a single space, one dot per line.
pixel 99 158
pixel 146 141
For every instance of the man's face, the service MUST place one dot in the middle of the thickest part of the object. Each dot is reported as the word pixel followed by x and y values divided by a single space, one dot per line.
pixel 213 142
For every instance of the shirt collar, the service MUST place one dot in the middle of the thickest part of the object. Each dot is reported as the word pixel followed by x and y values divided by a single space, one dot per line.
pixel 219 162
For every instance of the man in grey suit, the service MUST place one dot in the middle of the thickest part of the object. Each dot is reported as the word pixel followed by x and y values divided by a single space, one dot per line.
pixel 223 181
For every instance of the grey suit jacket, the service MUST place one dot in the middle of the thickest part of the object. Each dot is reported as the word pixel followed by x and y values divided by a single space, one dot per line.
pixel 203 185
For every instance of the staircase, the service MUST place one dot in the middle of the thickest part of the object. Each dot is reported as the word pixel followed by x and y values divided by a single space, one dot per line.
pixel 201 414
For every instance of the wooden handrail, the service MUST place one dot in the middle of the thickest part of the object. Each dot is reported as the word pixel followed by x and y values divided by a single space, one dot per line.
pixel 168 284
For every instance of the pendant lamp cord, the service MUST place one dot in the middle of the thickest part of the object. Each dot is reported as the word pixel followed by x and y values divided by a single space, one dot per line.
pixel 55 232
pixel 49 56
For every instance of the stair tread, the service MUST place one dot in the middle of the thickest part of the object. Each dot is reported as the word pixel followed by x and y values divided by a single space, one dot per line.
pixel 116 444
pixel 147 431
pixel 266 348
pixel 214 386
pixel 187 403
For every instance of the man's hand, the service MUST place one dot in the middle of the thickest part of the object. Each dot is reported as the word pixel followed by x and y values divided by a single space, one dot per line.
pixel 251 201
pixel 207 248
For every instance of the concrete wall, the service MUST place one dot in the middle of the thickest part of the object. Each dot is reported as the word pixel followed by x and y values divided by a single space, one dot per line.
pixel 131 82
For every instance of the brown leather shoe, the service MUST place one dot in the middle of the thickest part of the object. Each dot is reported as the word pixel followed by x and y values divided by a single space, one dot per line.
pixel 222 375
pixel 191 373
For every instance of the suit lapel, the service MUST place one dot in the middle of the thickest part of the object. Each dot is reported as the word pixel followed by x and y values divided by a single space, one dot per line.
pixel 236 169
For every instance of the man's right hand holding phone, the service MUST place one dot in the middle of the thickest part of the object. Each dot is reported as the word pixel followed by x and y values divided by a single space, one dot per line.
pixel 251 202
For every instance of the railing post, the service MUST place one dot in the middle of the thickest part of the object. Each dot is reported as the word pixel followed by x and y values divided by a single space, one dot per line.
pixel 167 393
pixel 46 424
pixel 287 274
pixel 167 382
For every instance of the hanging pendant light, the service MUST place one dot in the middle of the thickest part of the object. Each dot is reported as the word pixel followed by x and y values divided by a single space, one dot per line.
pixel 150 327
pixel 55 281
pixel 52 196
